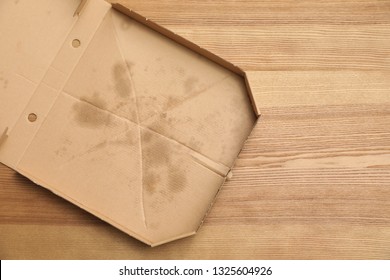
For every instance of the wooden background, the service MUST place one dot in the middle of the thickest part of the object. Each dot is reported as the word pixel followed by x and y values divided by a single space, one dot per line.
pixel 313 181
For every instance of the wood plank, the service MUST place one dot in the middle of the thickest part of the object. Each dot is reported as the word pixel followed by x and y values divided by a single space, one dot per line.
pixel 265 12
pixel 276 241
pixel 319 88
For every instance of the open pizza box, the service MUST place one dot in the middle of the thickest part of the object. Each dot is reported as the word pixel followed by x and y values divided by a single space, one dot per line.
pixel 118 115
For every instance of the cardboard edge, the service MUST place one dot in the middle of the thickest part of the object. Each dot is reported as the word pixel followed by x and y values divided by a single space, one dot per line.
pixel 173 239
pixel 251 96
pixel 177 38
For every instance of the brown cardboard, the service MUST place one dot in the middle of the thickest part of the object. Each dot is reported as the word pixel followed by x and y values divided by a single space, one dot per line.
pixel 128 120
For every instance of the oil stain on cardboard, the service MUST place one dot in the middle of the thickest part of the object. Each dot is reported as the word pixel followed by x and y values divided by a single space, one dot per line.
pixel 89 112
pixel 121 74
pixel 161 163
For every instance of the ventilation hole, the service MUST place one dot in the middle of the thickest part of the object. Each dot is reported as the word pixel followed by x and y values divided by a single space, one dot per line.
pixel 76 43
pixel 32 117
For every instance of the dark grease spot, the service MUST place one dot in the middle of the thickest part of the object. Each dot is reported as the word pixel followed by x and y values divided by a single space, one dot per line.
pixel 162 166
pixel 146 137
pixel 120 105
pixel 88 112
pixel 127 109
pixel 156 153
pixel 151 181
pixel 96 100
pixel 122 81
pixel 100 146
pixel 89 116
pixel 172 102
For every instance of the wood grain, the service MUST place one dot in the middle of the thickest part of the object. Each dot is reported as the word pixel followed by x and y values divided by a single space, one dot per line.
pixel 313 180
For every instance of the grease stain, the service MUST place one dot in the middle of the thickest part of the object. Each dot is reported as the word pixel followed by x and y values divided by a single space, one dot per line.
pixel 163 171
pixel 122 82
pixel 151 181
pixel 88 112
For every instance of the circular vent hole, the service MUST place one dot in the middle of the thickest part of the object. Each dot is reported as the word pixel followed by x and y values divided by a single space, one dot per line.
pixel 32 117
pixel 76 43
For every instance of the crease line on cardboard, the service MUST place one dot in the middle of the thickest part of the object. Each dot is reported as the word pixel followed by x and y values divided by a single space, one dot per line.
pixel 128 73
pixel 80 8
pixel 89 150
pixel 210 165
pixel 27 79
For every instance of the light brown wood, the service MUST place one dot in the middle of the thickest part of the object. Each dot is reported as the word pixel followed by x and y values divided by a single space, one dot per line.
pixel 313 180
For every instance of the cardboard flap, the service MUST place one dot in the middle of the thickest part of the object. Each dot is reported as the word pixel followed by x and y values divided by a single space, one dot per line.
pixel 36 94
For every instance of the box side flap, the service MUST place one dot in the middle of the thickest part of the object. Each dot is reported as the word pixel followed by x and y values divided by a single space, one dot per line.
pixel 251 95
pixel 30 39
pixel 35 94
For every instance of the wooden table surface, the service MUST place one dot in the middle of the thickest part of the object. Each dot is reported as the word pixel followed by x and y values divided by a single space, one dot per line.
pixel 313 181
